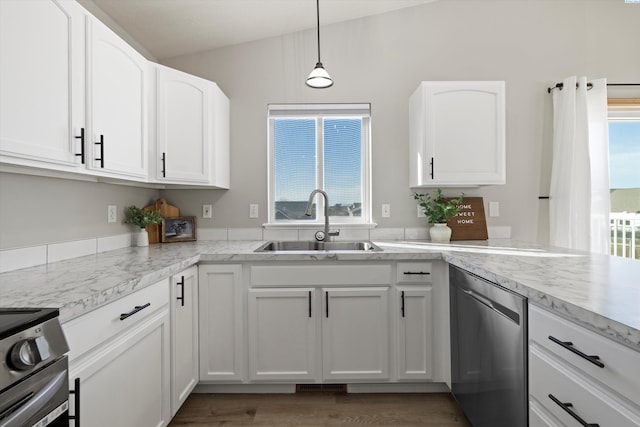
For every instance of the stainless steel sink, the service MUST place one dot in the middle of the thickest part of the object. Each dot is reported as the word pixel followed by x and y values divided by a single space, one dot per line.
pixel 306 246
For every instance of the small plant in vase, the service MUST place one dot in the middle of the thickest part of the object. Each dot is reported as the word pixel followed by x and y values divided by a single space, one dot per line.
pixel 142 218
pixel 439 210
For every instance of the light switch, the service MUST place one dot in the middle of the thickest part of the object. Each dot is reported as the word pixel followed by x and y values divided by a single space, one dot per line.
pixel 386 210
pixel 253 211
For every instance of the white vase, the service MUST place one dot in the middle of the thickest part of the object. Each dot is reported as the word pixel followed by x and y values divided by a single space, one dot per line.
pixel 142 238
pixel 440 233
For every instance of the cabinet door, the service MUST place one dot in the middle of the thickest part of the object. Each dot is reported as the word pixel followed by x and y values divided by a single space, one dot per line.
pixel 41 82
pixel 220 136
pixel 183 126
pixel 126 383
pixel 283 334
pixel 415 350
pixel 457 134
pixel 184 336
pixel 221 323
pixel 355 333
pixel 117 104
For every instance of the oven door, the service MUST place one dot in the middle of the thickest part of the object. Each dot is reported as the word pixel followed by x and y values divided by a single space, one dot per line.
pixel 41 399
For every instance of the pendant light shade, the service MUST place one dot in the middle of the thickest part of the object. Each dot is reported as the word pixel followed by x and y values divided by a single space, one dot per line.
pixel 319 78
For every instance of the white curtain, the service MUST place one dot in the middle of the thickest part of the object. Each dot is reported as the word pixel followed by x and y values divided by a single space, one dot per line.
pixel 579 194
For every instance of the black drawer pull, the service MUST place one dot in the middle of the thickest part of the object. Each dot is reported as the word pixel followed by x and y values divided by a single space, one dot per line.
pixel 81 138
pixel 101 144
pixel 76 401
pixel 432 176
pixel 569 346
pixel 181 297
pixel 567 408
pixel 136 309
pixel 402 306
pixel 419 273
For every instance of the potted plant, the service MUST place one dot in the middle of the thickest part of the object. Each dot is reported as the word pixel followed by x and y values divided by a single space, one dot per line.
pixel 439 210
pixel 142 218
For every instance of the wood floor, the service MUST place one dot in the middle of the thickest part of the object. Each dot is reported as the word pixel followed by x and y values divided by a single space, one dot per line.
pixel 320 409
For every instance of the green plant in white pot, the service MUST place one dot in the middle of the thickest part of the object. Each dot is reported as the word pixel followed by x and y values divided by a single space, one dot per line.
pixel 439 210
pixel 142 218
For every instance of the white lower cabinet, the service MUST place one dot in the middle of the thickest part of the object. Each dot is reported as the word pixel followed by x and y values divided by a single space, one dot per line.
pixel 577 377
pixel 184 336
pixel 221 324
pixel 284 335
pixel 414 326
pixel 120 355
pixel 295 332
pixel 355 334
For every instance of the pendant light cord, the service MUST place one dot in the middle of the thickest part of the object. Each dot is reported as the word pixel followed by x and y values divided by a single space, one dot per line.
pixel 318 26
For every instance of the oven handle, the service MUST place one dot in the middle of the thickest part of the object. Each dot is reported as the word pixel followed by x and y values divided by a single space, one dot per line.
pixel 25 408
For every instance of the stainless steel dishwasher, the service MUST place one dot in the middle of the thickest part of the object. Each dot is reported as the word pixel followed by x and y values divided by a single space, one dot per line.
pixel 488 351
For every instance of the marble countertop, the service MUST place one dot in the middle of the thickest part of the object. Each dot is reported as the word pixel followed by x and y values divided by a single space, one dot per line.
pixel 597 291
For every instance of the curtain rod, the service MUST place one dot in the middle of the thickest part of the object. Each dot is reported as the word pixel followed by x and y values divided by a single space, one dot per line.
pixel 590 85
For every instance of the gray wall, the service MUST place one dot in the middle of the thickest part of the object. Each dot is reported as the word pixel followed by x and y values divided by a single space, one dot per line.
pixel 36 210
pixel 530 44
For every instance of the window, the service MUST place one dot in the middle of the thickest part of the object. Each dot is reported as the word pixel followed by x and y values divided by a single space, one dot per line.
pixel 624 181
pixel 323 146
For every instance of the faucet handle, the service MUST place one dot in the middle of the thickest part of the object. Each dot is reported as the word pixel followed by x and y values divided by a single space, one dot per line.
pixel 334 232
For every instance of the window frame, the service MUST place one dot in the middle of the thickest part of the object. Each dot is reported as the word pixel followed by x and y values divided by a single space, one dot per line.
pixel 319 112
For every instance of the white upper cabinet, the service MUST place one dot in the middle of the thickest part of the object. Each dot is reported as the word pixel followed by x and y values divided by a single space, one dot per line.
pixel 117 96
pixel 457 134
pixel 42 83
pixel 191 130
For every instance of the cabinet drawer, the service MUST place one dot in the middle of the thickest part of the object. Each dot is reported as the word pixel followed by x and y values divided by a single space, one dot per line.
pixel 94 328
pixel 620 362
pixel 413 272
pixel 320 275
pixel 549 376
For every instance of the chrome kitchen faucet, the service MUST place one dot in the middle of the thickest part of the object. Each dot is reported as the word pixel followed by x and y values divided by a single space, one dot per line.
pixel 326 235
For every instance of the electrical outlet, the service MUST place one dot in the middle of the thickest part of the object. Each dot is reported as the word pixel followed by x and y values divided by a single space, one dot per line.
pixel 207 211
pixel 420 211
pixel 253 211
pixel 494 209
pixel 112 213
pixel 386 210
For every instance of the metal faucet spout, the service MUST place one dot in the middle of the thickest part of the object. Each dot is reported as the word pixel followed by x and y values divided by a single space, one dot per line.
pixel 307 212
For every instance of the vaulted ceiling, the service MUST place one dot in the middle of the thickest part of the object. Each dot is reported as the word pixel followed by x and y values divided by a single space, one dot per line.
pixel 168 28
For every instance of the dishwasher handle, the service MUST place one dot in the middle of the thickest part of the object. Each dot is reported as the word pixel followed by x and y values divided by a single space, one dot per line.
pixel 492 305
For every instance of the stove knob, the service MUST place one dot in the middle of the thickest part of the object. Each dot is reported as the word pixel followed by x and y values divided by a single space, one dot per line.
pixel 24 355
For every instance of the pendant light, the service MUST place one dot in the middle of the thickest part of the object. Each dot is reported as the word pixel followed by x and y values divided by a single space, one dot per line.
pixel 319 78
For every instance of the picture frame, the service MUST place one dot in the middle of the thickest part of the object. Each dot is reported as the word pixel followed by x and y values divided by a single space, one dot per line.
pixel 178 229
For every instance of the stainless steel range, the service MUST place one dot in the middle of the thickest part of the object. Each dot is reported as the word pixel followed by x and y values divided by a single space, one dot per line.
pixel 34 384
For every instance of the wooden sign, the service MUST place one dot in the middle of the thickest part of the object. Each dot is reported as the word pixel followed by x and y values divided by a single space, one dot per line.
pixel 166 210
pixel 470 223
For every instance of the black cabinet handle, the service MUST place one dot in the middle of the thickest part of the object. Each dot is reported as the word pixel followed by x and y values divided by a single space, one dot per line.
pixel 181 297
pixel 81 138
pixel 569 346
pixel 326 303
pixel 101 144
pixel 309 303
pixel 420 273
pixel 136 309
pixel 76 402
pixel 432 177
pixel 164 165
pixel 402 305
pixel 567 408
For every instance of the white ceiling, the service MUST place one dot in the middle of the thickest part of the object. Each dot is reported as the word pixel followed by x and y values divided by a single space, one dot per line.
pixel 167 28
